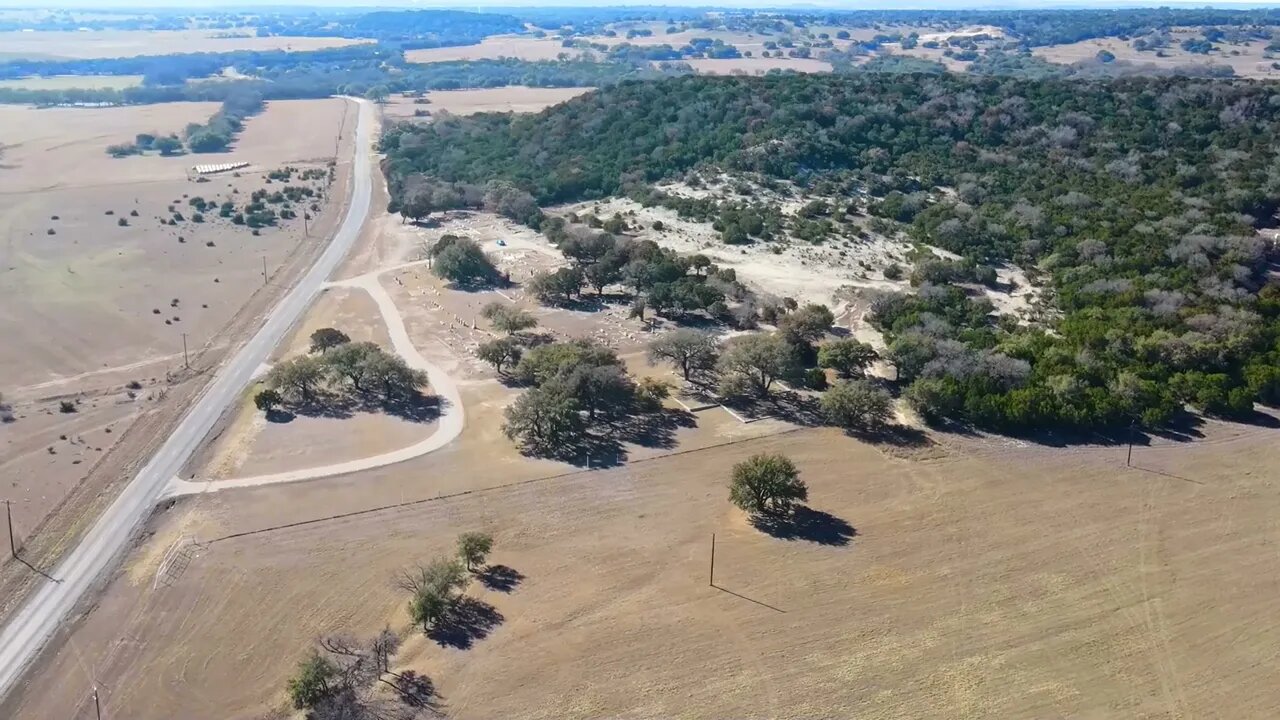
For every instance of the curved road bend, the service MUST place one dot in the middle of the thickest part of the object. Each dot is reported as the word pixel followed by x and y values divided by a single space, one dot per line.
pixel 449 426
pixel 28 631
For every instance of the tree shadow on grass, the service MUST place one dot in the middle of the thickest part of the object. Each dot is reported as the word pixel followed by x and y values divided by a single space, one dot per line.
pixel 324 404
pixel 606 447
pixel 592 450
pixel 500 578
pixel 899 436
pixel 654 430
pixel 415 690
pixel 279 416
pixel 805 523
pixel 417 407
pixel 788 405
pixel 468 621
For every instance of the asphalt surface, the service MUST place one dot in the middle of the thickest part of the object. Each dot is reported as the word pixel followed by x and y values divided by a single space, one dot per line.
pixel 26 634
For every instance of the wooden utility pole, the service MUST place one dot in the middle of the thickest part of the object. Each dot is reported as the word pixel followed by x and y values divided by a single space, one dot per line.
pixel 264 269
pixel 185 360
pixel 97 706
pixel 711 580
pixel 1128 460
pixel 8 514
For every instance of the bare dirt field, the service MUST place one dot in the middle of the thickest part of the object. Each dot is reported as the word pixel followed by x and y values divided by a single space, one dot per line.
pixel 976 582
pixel 132 43
pixel 96 299
pixel 496 46
pixel 517 98
pixel 1247 60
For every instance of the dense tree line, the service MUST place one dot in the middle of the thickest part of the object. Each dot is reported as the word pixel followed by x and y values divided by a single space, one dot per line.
pixel 216 134
pixel 1139 197
pixel 177 68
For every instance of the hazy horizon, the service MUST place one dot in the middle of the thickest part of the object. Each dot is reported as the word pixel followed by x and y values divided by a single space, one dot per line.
pixel 490 5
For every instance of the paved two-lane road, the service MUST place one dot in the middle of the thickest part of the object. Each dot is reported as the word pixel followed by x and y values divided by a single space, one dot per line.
pixel 24 636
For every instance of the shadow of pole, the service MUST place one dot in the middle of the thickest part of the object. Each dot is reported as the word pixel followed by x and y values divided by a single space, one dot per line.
pixel 36 570
pixel 1166 474
pixel 752 600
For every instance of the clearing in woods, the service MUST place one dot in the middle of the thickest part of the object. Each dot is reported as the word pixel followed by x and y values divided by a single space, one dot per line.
pixel 517 98
pixel 1246 59
pixel 496 46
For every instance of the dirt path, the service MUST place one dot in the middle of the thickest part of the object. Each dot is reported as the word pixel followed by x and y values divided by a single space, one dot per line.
pixel 449 427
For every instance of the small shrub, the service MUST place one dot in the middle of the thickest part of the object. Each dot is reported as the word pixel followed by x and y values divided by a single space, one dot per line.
pixel 815 379
pixel 893 272
pixel 122 222
pixel 66 406
pixel 51 231
pixel 133 213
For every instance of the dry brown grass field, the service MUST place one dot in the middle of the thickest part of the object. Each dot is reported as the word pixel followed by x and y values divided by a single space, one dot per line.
pixel 66 82
pixel 946 576
pixel 95 311
pixel 951 577
pixel 993 582
pixel 131 43
pixel 496 46
pixel 1248 60
pixel 516 98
